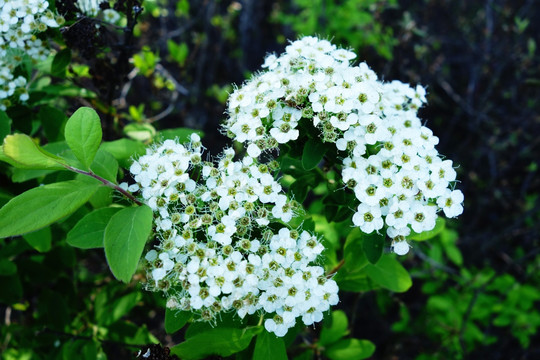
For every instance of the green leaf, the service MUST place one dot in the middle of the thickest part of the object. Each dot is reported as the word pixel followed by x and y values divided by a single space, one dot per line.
pixel 179 52
pixel 41 206
pixel 114 310
pixel 105 165
pixel 5 125
pixel 269 346
pixel 352 276
pixel 175 320
pixel 83 134
pixel 300 190
pixel 124 240
pixel 453 253
pixel 373 245
pixel 314 150
pixel 181 134
pixel 129 333
pixel 60 63
pixel 448 240
pixel 26 154
pixel 88 232
pixel 348 349
pixel 102 197
pixel 292 166
pixel 57 148
pixel 217 341
pixel 440 224
pixel 40 240
pixel 390 274
pixel 7 267
pixel 334 331
pixel 53 121
pixel 140 131
pixel 72 349
pixel 124 149
pixel 5 196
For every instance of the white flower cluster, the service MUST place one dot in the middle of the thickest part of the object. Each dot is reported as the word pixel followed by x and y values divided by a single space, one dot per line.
pixel 92 8
pixel 20 20
pixel 390 161
pixel 217 250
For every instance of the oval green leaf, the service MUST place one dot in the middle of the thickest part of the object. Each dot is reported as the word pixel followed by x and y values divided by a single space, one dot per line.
pixel 335 329
pixel 217 341
pixel 88 232
pixel 124 239
pixel 390 274
pixel 141 132
pixel 269 346
pixel 41 206
pixel 124 149
pixel 314 150
pixel 83 134
pixel 60 63
pixel 347 349
pixel 116 308
pixel 26 154
pixel 175 320
pixel 373 245
pixel 40 240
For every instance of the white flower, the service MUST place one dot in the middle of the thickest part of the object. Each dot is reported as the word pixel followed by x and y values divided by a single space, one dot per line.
pixel 400 247
pixel 451 202
pixel 368 218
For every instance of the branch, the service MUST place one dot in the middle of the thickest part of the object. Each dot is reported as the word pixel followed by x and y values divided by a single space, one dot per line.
pixel 106 183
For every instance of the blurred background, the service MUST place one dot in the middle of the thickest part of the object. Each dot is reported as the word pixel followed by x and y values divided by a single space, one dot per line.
pixel 476 287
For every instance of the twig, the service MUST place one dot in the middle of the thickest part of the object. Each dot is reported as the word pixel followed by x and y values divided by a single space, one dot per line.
pixel 336 268
pixel 105 182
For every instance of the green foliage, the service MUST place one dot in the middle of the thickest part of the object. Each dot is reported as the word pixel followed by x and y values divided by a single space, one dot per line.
pixel 124 238
pixel 145 61
pixel 178 52
pixel 175 320
pixel 22 152
pixel 352 22
pixel 83 134
pixel 219 341
pixel 389 274
pixel 42 206
pixel 269 346
pixel 88 232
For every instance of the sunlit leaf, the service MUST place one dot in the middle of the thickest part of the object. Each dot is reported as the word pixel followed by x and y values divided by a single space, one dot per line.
pixel 41 206
pixel 390 274
pixel 334 329
pixel 83 134
pixel 348 349
pixel 25 153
